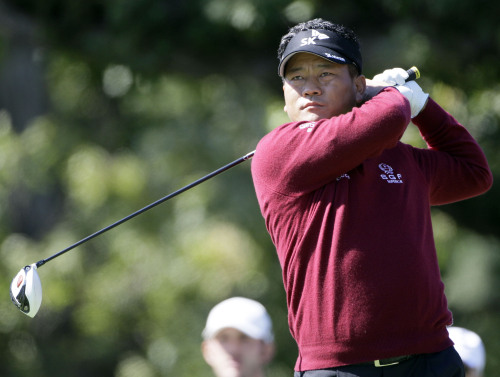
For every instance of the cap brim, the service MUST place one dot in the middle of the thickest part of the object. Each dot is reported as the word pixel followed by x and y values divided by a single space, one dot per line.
pixel 322 52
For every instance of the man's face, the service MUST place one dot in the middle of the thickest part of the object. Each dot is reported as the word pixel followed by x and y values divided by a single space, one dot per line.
pixel 231 353
pixel 315 88
pixel 470 372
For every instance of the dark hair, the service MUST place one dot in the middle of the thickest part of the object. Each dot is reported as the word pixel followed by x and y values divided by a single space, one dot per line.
pixel 319 23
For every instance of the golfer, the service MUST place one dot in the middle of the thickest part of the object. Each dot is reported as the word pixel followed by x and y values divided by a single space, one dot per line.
pixel 238 338
pixel 347 206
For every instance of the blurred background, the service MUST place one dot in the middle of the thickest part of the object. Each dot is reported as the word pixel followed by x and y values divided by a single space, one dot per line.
pixel 106 106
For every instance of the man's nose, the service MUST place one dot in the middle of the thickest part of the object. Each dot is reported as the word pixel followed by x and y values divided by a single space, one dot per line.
pixel 311 88
pixel 234 347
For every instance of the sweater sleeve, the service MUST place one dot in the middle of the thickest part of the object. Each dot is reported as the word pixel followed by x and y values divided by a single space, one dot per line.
pixel 297 158
pixel 454 163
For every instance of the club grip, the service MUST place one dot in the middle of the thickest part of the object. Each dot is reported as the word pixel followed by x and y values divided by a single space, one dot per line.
pixel 413 74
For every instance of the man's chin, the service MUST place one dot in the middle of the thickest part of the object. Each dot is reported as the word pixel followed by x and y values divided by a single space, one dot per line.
pixel 309 118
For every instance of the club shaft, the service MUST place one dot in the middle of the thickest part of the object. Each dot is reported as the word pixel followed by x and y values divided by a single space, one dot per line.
pixel 148 207
pixel 413 74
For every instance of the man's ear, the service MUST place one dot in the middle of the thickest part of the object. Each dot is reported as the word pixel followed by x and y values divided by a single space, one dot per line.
pixel 360 84
pixel 268 352
pixel 284 108
pixel 205 352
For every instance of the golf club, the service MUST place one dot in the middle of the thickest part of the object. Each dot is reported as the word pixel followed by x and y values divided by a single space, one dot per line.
pixel 26 287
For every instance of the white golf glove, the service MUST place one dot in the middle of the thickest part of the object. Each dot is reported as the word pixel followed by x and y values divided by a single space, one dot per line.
pixel 394 76
pixel 414 93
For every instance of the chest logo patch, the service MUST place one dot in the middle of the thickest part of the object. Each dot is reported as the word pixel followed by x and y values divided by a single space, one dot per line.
pixel 343 176
pixel 307 126
pixel 389 175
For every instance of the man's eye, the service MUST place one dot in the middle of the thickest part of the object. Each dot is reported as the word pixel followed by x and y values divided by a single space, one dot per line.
pixel 324 74
pixel 295 78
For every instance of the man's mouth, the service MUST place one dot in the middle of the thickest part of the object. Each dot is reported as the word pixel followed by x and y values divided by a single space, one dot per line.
pixel 312 105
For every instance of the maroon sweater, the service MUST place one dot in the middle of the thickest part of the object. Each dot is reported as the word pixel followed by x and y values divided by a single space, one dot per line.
pixel 347 206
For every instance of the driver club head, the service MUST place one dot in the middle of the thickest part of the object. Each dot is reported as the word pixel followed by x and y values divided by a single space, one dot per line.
pixel 26 290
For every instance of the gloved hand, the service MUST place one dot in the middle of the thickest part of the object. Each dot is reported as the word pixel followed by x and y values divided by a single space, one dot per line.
pixel 394 76
pixel 414 93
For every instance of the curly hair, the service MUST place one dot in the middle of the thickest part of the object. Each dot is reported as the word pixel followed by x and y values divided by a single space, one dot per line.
pixel 319 23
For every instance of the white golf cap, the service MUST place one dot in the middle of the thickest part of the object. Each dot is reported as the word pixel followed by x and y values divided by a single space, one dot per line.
pixel 469 346
pixel 243 314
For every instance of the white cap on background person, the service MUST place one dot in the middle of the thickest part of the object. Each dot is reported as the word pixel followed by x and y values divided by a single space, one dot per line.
pixel 243 314
pixel 469 346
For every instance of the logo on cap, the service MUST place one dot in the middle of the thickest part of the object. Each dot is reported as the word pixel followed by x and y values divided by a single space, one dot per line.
pixel 314 36
pixel 336 57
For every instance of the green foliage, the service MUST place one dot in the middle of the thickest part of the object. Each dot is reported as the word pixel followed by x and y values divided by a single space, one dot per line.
pixel 148 96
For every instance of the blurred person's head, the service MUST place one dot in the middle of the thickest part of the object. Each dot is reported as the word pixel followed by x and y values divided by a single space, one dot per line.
pixel 470 347
pixel 238 338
